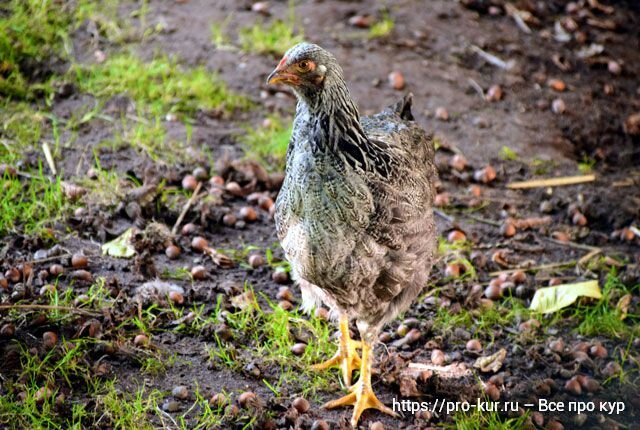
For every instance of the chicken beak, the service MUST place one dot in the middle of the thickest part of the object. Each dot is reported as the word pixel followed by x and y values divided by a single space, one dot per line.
pixel 282 76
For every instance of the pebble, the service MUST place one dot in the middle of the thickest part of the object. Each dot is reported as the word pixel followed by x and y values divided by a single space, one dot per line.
pixel 180 392
pixel 558 106
pixel 614 67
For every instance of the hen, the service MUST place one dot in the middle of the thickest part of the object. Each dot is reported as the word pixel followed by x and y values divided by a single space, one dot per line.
pixel 354 215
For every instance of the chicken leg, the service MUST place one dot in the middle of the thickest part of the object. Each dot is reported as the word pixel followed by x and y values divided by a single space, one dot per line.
pixel 346 356
pixel 362 396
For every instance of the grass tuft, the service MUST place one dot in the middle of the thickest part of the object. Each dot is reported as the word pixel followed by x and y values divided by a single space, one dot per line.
pixel 268 143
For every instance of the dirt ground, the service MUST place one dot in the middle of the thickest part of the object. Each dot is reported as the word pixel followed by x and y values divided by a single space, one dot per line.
pixel 441 48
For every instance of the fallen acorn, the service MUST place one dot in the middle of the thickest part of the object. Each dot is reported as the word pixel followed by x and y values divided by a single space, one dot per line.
pixel 473 345
pixel 301 404
pixel 396 80
pixel 141 340
pixel 247 398
pixel 172 252
pixel 198 272
pixel 79 261
pixel 199 243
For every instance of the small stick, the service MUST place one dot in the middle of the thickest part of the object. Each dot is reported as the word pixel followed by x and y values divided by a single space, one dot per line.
pixel 516 14
pixel 552 182
pixel 444 216
pixel 52 258
pixel 476 86
pixel 535 268
pixel 174 230
pixel 588 256
pixel 51 308
pixel 47 155
pixel 571 244
pixel 492 59
pixel 482 220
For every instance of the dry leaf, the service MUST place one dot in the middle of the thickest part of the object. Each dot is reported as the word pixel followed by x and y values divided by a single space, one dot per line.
pixel 623 305
pixel 552 299
pixel 491 363
pixel 121 246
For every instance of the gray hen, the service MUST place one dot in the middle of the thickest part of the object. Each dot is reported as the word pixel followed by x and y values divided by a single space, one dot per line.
pixel 354 215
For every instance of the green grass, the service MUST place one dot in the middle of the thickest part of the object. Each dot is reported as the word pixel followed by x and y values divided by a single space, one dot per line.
pixel 507 153
pixel 274 38
pixel 604 318
pixel 269 144
pixel 479 420
pixel 159 86
pixel 31 206
pixel 382 28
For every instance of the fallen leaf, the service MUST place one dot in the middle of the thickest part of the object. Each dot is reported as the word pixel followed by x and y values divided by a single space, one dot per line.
pixel 491 363
pixel 244 300
pixel 552 299
pixel 409 387
pixel 623 305
pixel 121 246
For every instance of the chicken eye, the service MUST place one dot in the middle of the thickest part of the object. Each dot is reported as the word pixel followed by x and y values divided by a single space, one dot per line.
pixel 303 65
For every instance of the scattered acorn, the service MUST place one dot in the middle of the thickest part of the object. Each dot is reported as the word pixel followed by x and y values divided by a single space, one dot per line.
pixel 518 277
pixel 396 80
pixel 78 261
pixel 557 85
pixel 13 274
pixel 229 220
pixel 141 340
pixel 320 425
pixel 199 243
pixel 301 404
pixel 437 357
pixel 598 351
pixel 573 386
pixel 474 345
pixel 176 297
pixel 189 182
pixel 180 392
pixel 441 200
pixel 558 106
pixel 49 339
pixel 280 276
pixel 485 175
pixel 198 272
pixel 442 114
pixel 322 313
pixel 81 275
pixel 247 398
pixel 579 219
pixel 494 93
pixel 284 293
pixel 248 214
pixel 265 202
pixel 493 292
pixel 7 330
pixel 298 348
pixel 376 426
pixel 172 252
pixel 492 392
pixel 256 260
pixel 456 236
pixel 458 162
pixel 218 400
pixel 452 270
pixel 189 229
pixel 507 229
pixel 200 173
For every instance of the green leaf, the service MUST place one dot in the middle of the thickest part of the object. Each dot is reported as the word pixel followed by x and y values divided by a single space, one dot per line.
pixel 552 299
pixel 121 246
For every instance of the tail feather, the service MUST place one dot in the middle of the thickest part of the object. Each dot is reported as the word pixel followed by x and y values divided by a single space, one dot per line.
pixel 403 107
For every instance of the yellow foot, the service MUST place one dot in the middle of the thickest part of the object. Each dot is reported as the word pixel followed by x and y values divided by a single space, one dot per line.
pixel 346 357
pixel 361 397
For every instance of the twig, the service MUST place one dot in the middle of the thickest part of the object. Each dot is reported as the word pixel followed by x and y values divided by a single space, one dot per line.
pixel 47 155
pixel 52 258
pixel 571 244
pixel 444 216
pixel 483 220
pixel 476 86
pixel 51 308
pixel 535 268
pixel 552 182
pixel 492 59
pixel 588 256
pixel 516 14
pixel 174 230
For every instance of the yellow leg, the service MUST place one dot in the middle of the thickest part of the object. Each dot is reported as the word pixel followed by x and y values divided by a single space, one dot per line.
pixel 362 396
pixel 346 357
